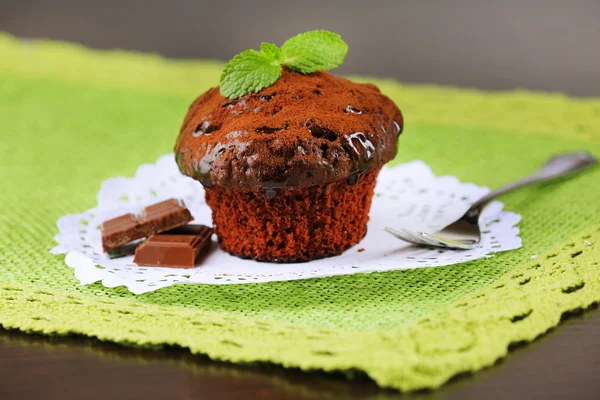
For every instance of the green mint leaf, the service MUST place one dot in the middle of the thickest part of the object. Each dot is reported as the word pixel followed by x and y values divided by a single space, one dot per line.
pixel 250 71
pixel 271 51
pixel 313 51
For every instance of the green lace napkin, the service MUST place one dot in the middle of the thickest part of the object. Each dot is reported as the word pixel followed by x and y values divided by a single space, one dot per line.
pixel 72 117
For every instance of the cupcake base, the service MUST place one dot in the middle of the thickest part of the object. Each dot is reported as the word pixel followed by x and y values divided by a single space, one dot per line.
pixel 297 225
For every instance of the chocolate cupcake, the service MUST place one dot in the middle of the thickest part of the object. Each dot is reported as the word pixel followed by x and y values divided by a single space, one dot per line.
pixel 289 171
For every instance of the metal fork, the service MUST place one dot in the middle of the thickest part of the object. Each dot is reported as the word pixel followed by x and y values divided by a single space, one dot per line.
pixel 465 234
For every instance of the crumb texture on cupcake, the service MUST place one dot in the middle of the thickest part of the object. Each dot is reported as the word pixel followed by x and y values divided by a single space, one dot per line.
pixel 300 224
pixel 302 131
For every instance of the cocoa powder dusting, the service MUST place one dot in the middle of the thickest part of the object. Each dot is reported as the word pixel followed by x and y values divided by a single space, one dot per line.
pixel 304 130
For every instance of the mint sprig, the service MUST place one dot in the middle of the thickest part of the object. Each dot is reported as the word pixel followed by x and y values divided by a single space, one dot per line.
pixel 251 70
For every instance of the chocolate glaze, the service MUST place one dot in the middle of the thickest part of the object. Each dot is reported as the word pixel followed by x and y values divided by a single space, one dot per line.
pixel 302 131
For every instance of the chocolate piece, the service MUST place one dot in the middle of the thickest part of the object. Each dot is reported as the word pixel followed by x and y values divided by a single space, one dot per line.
pixel 178 248
pixel 123 251
pixel 154 219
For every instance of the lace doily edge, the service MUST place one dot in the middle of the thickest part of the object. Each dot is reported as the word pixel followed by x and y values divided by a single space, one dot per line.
pixel 86 272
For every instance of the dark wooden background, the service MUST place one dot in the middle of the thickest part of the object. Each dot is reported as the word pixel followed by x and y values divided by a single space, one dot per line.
pixel 551 45
pixel 491 44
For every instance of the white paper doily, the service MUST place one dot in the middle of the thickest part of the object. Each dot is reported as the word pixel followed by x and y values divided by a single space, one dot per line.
pixel 408 196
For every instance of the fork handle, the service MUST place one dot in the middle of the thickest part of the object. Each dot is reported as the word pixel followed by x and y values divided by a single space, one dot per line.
pixel 556 167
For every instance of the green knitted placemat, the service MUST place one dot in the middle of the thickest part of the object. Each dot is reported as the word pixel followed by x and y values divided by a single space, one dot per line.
pixel 72 117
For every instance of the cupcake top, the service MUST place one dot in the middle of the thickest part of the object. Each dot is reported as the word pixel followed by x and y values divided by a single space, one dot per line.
pixel 304 130
pixel 280 120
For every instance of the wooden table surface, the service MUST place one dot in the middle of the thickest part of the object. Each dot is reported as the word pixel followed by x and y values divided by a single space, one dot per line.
pixel 533 44
pixel 565 363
